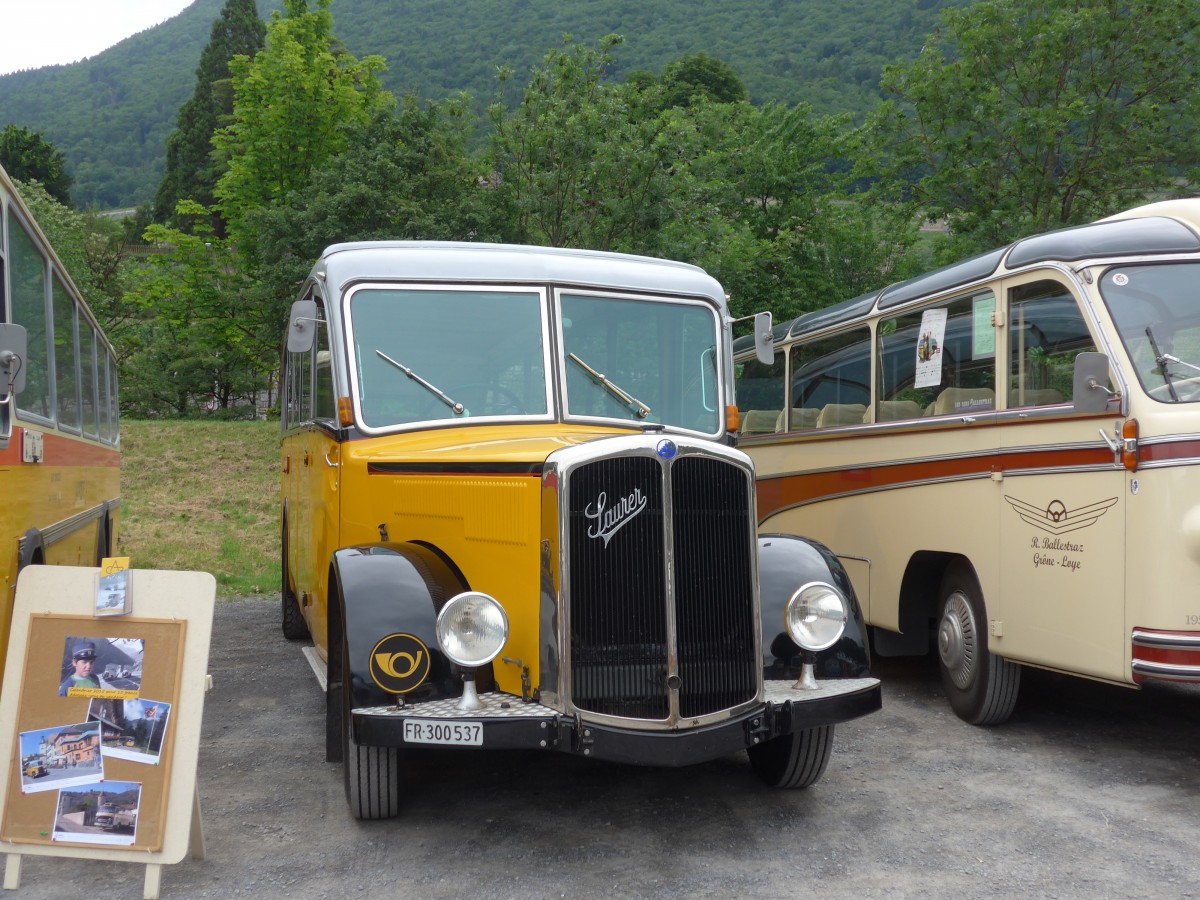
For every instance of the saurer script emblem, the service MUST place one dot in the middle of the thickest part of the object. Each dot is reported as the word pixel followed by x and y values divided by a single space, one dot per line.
pixel 608 520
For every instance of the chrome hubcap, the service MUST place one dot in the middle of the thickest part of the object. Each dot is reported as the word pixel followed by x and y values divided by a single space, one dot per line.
pixel 957 640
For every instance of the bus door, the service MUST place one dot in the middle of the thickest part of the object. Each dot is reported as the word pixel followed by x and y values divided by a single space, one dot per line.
pixel 1062 494
pixel 312 481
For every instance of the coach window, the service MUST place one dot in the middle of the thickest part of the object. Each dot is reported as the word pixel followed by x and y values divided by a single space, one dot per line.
pixel 324 399
pixel 760 392
pixel 87 377
pixel 1046 332
pixel 939 360
pixel 831 380
pixel 27 268
pixel 66 359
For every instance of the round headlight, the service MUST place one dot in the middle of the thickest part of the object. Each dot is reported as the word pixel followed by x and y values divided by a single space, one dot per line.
pixel 816 616
pixel 472 628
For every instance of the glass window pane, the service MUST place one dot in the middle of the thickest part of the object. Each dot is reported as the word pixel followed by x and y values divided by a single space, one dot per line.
pixel 831 380
pixel 1046 331
pixel 760 396
pixel 942 358
pixel 87 377
pixel 28 272
pixel 66 358
pixel 481 349
pixel 661 355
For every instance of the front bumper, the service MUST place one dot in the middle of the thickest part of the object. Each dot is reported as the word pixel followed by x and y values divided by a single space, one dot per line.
pixel 509 723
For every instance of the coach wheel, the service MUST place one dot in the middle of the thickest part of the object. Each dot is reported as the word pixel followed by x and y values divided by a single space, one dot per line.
pixel 795 760
pixel 982 687
pixel 294 626
pixel 373 774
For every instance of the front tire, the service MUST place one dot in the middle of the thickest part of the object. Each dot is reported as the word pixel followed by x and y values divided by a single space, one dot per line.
pixel 982 687
pixel 373 774
pixel 795 760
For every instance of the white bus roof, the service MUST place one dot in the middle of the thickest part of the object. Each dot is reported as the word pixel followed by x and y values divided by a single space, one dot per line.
pixel 471 263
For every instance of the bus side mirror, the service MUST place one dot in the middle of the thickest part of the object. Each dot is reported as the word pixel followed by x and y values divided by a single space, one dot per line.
pixel 302 326
pixel 1090 392
pixel 764 341
pixel 13 352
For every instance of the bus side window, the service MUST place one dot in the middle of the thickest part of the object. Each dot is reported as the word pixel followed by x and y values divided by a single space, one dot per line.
pixel 832 377
pixel 27 268
pixel 926 369
pixel 325 402
pixel 1046 331
pixel 760 392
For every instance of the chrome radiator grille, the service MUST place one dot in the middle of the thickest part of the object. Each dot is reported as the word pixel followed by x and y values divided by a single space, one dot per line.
pixel 652 544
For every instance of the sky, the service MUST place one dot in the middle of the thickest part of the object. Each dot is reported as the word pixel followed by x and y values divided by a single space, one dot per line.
pixel 35 33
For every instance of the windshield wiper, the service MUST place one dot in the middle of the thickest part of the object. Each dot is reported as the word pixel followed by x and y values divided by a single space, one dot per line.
pixel 1162 360
pixel 456 407
pixel 634 405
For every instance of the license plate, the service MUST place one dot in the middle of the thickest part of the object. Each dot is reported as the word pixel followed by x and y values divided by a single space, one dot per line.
pixel 433 731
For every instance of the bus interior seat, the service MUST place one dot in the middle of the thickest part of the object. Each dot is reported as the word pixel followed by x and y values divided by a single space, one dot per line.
pixel 759 421
pixel 1038 397
pixel 892 410
pixel 956 400
pixel 841 414
pixel 802 417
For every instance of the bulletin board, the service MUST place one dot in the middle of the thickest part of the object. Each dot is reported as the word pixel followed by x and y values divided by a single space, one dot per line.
pixel 31 808
pixel 106 770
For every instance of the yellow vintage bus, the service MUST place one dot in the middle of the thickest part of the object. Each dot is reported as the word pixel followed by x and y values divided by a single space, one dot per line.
pixel 1003 453
pixel 60 461
pixel 512 517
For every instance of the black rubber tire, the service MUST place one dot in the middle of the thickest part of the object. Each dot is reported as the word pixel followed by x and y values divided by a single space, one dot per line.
pixel 294 626
pixel 982 687
pixel 795 760
pixel 373 774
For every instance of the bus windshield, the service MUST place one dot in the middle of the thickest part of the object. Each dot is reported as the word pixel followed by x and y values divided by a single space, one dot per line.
pixel 652 363
pixel 1156 309
pixel 427 354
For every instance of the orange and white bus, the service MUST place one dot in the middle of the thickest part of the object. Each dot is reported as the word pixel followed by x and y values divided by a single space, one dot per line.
pixel 60 461
pixel 1004 455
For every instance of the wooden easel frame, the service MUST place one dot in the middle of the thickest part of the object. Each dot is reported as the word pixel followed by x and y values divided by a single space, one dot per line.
pixel 188 597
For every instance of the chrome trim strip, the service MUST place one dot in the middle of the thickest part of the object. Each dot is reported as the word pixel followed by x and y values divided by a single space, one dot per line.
pixel 1163 670
pixel 1170 640
pixel 52 534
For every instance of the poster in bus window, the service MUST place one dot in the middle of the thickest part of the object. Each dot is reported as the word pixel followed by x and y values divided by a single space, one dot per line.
pixel 109 668
pixel 929 348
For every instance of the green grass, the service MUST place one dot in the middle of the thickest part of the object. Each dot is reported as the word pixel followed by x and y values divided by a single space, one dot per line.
pixel 203 496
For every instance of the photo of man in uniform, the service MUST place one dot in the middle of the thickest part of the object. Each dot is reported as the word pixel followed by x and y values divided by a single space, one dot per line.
pixel 83 660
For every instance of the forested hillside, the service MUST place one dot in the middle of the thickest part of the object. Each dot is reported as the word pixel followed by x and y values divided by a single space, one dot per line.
pixel 110 115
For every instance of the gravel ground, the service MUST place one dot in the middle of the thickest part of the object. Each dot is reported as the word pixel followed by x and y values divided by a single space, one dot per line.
pixel 1089 791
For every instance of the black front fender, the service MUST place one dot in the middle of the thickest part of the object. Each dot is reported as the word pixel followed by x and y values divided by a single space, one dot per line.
pixel 379 590
pixel 785 563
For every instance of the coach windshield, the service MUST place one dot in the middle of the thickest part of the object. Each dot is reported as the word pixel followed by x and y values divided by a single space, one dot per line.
pixel 447 354
pixel 1156 309
pixel 652 363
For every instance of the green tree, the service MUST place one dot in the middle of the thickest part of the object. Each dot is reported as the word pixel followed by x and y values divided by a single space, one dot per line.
pixel 95 255
pixel 193 345
pixel 291 104
pixel 583 162
pixel 765 203
pixel 698 76
pixel 27 156
pixel 191 172
pixel 1026 115
pixel 404 175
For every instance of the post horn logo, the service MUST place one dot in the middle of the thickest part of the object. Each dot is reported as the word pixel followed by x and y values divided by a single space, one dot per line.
pixel 399 663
